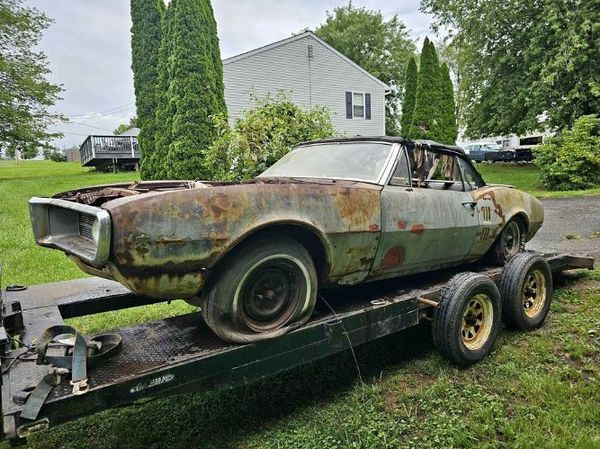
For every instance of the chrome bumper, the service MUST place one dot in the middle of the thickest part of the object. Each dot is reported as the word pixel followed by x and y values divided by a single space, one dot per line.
pixel 77 229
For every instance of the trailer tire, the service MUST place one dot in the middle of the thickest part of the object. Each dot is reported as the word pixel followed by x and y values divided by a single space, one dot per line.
pixel 265 288
pixel 526 291
pixel 466 321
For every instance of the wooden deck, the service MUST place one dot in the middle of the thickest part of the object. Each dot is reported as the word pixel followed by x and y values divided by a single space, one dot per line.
pixel 102 151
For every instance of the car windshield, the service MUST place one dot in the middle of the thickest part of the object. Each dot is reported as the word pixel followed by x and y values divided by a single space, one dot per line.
pixel 492 147
pixel 358 161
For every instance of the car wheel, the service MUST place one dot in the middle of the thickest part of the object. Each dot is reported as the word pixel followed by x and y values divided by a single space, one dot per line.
pixel 265 288
pixel 526 291
pixel 466 321
pixel 509 243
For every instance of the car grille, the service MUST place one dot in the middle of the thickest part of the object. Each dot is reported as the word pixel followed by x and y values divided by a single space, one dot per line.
pixel 86 222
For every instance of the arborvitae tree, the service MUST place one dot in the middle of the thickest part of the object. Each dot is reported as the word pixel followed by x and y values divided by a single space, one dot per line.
pixel 156 162
pixel 409 97
pixel 448 128
pixel 196 90
pixel 146 33
pixel 426 114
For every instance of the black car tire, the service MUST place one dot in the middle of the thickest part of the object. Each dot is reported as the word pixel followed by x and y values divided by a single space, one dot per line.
pixel 466 321
pixel 265 288
pixel 509 243
pixel 526 291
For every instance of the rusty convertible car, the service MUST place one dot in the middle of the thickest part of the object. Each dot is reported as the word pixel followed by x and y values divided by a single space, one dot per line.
pixel 253 254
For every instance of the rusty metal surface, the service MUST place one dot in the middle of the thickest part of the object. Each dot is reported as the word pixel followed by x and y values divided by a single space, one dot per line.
pixel 164 241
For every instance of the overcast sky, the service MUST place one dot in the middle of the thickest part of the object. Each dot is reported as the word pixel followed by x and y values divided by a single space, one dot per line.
pixel 88 48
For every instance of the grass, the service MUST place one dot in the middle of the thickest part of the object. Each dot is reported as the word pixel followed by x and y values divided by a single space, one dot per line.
pixel 525 177
pixel 536 390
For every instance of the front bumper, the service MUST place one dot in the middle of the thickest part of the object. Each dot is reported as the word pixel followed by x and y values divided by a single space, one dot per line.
pixel 77 229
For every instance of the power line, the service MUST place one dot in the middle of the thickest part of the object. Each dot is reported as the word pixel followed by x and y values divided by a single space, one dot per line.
pixel 89 126
pixel 109 111
pixel 67 132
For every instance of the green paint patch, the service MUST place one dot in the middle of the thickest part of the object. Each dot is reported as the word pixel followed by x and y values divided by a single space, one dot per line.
pixel 572 237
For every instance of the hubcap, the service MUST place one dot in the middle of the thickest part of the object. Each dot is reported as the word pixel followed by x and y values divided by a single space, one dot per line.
pixel 534 293
pixel 477 322
pixel 512 240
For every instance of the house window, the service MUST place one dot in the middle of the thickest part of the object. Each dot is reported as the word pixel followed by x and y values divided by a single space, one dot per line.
pixel 358 105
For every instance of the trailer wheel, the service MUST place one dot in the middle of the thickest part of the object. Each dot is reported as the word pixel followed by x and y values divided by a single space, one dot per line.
pixel 266 288
pixel 465 323
pixel 509 243
pixel 526 291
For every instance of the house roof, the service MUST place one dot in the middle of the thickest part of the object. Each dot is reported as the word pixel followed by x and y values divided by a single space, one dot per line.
pixel 295 38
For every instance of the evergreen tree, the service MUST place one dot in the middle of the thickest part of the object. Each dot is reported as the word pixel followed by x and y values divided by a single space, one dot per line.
pixel 409 97
pixel 425 123
pixel 196 90
pixel 146 33
pixel 448 128
pixel 155 163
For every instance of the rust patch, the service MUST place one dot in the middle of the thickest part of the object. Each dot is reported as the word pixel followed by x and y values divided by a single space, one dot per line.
pixel 357 206
pixel 417 228
pixel 401 224
pixel 374 228
pixel 393 257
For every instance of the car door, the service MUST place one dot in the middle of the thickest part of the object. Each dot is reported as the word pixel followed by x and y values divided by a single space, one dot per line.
pixel 425 222
pixel 490 222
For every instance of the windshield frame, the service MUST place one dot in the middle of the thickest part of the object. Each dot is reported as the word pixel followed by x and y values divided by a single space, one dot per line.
pixel 381 178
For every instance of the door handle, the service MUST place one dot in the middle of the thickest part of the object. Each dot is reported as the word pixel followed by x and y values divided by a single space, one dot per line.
pixel 473 204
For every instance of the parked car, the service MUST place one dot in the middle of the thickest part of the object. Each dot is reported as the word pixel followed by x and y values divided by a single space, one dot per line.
pixel 253 254
pixel 489 152
pixel 524 153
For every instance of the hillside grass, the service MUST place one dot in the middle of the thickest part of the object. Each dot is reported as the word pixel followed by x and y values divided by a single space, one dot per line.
pixel 536 390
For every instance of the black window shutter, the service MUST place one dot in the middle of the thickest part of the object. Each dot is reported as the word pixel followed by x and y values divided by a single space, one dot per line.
pixel 348 104
pixel 368 106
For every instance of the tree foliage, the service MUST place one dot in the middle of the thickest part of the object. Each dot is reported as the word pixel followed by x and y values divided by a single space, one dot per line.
pixel 523 65
pixel 25 93
pixel 380 46
pixel 192 90
pixel 571 160
pixel 425 121
pixel 266 133
pixel 146 34
pixel 55 155
pixel 133 123
pixel 447 126
pixel 409 97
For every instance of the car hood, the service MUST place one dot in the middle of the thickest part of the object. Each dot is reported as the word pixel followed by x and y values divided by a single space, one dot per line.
pixel 102 194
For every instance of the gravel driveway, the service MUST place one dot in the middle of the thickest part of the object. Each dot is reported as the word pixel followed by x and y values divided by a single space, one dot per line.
pixel 578 218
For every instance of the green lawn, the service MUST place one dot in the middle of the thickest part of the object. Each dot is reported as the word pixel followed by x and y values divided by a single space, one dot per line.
pixel 524 177
pixel 536 390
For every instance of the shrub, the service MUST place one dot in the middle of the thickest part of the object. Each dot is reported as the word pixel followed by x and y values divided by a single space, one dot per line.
pixel 55 154
pixel 571 160
pixel 263 135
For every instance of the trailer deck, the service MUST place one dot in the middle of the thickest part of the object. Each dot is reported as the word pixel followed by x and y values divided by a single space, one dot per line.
pixel 180 353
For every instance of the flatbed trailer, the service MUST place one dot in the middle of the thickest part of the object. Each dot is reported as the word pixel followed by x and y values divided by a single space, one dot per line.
pixel 181 354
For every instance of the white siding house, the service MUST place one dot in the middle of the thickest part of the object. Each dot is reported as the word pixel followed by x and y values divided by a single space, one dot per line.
pixel 311 73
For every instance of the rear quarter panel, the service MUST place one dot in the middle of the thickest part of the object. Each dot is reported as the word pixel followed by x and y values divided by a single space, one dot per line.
pixel 504 203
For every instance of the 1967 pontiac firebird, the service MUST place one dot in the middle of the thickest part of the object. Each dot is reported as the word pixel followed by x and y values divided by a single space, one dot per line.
pixel 253 254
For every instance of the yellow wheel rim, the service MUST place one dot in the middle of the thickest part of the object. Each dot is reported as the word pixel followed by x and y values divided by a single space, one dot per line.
pixel 534 293
pixel 477 322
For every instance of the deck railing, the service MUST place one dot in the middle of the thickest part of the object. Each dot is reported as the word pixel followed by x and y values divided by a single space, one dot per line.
pixel 108 147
